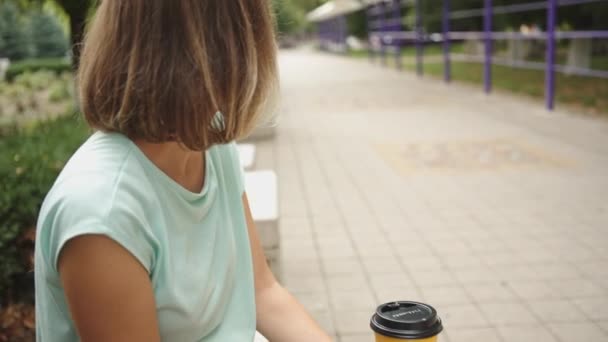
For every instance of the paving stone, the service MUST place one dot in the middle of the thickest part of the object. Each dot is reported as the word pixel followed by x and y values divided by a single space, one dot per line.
pixel 369 337
pixel 385 294
pixel 463 261
pixel 556 311
pixel 603 325
pixel 395 278
pixel 475 275
pixel 531 290
pixel 344 266
pixel 425 278
pixel 347 282
pixel 353 300
pixel 490 293
pixel 507 313
pixel 577 288
pixel 352 322
pixel 575 332
pixel 469 335
pixel 381 265
pixel 298 284
pixel 463 316
pixel 440 297
pixel 526 333
pixel 596 308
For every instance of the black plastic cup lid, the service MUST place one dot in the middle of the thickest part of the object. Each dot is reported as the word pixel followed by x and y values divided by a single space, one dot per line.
pixel 406 320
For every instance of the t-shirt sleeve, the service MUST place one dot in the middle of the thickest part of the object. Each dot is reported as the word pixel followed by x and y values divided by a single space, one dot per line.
pixel 73 217
pixel 235 162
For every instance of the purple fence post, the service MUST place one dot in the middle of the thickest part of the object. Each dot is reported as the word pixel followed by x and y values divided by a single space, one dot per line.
pixel 320 33
pixel 334 32
pixel 550 69
pixel 487 25
pixel 396 27
pixel 370 31
pixel 419 39
pixel 447 68
pixel 342 27
pixel 383 29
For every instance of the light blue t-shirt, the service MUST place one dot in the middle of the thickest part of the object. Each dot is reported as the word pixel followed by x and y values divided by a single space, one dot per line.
pixel 195 246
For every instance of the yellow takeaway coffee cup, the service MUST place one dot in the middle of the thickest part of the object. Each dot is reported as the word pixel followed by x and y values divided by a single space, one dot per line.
pixel 406 321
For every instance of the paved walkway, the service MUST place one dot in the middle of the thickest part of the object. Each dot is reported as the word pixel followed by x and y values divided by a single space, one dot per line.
pixel 487 207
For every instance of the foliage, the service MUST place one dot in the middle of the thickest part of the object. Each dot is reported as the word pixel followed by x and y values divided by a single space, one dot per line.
pixel 289 17
pixel 59 91
pixel 57 65
pixel 78 11
pixel 36 81
pixel 357 24
pixel 48 38
pixel 30 160
pixel 14 39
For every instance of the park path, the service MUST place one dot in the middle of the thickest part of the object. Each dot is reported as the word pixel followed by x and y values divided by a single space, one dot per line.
pixel 393 187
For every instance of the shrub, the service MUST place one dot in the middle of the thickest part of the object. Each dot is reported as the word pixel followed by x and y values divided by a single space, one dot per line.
pixel 38 80
pixel 14 38
pixel 30 160
pixel 47 36
pixel 59 91
pixel 56 65
pixel 16 91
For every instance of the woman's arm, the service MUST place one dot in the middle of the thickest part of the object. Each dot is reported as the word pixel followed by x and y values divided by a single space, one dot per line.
pixel 108 291
pixel 280 316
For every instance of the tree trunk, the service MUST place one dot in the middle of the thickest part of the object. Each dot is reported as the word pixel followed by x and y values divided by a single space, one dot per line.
pixel 77 23
pixel 78 16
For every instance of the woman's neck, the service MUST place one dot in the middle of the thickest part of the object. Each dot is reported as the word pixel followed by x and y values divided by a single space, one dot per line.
pixel 185 167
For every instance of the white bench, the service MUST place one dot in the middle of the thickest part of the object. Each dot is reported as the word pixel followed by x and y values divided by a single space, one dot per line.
pixel 262 191
pixel 262 133
pixel 247 155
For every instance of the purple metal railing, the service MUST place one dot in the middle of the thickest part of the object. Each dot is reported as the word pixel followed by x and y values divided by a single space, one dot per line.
pixel 387 30
pixel 419 39
pixel 445 25
pixel 550 58
pixel 487 27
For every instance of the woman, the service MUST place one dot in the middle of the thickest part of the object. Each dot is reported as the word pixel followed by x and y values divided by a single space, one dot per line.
pixel 147 234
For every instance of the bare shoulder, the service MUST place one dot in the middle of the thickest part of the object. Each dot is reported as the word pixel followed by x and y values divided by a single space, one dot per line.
pixel 108 291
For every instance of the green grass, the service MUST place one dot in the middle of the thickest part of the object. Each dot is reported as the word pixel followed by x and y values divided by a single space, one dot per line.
pixel 590 94
pixel 599 63
pixel 583 93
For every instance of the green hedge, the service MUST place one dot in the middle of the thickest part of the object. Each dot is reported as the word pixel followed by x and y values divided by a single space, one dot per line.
pixel 57 65
pixel 30 160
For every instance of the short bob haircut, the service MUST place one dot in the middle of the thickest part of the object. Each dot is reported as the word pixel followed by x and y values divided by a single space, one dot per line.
pixel 161 70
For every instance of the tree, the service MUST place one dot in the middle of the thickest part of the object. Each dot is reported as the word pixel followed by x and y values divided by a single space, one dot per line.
pixel 78 11
pixel 14 39
pixel 48 38
pixel 289 17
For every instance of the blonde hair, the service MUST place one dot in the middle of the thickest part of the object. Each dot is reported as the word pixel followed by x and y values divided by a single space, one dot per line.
pixel 160 70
